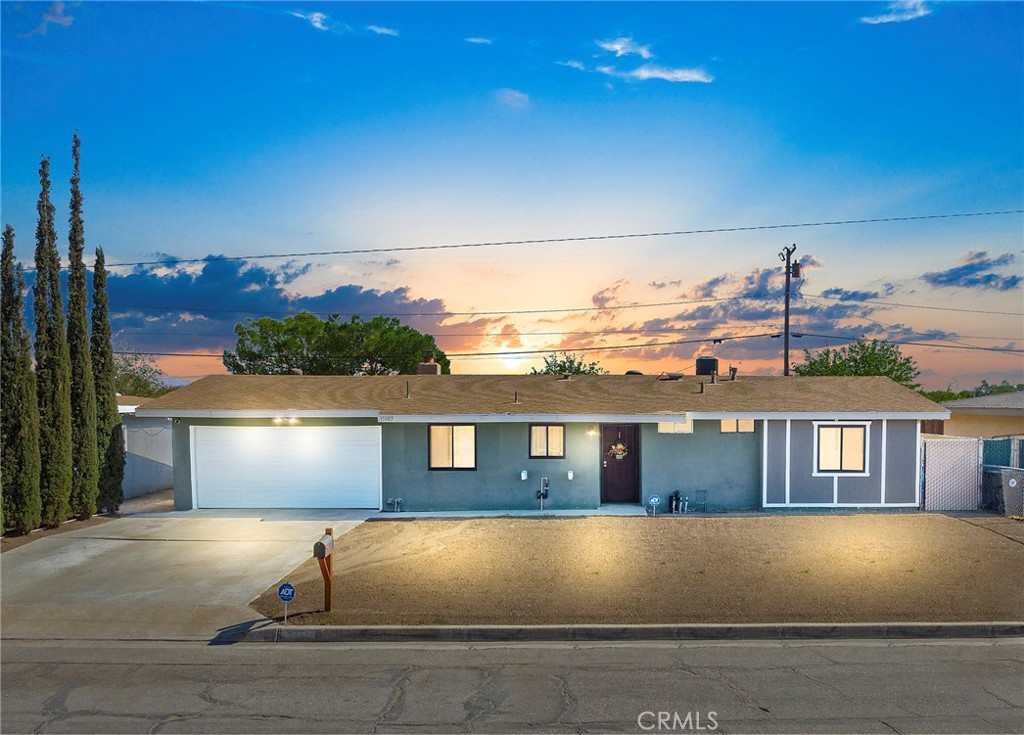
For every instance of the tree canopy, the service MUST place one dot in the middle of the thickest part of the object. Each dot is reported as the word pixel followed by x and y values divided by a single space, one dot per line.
pixel 861 358
pixel 379 346
pixel 564 363
pixel 136 374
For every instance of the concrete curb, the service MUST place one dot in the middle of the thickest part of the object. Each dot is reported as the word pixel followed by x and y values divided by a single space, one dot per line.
pixel 276 633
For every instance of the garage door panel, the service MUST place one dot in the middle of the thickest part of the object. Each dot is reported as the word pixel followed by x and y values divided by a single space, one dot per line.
pixel 286 467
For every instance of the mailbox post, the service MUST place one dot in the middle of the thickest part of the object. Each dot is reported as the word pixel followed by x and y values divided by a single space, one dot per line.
pixel 323 552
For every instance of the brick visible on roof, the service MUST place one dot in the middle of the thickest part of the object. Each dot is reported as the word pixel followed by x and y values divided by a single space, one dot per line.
pixel 544 394
pixel 1012 401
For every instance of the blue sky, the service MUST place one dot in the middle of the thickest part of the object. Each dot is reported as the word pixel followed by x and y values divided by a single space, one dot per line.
pixel 254 128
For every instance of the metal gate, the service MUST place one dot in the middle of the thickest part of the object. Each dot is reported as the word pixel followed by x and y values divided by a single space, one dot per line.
pixel 952 473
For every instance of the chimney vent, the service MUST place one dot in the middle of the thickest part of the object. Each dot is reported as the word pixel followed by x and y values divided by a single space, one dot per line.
pixel 428 366
pixel 732 372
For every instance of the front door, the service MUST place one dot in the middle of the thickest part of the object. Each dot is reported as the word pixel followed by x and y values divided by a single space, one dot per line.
pixel 620 463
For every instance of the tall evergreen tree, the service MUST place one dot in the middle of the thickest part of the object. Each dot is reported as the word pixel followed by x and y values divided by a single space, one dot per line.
pixel 19 414
pixel 108 420
pixel 84 452
pixel 53 368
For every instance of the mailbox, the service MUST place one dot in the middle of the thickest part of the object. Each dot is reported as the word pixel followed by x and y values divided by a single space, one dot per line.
pixel 324 547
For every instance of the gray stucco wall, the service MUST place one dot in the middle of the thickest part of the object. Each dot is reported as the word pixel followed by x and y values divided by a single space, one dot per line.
pixel 725 466
pixel 502 453
pixel 805 488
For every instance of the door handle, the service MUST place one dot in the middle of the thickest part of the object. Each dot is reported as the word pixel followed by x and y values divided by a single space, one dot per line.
pixel 604 463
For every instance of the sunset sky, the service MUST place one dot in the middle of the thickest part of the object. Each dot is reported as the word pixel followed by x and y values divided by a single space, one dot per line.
pixel 251 129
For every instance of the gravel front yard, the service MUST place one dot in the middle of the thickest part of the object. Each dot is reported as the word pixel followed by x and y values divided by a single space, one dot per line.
pixel 771 569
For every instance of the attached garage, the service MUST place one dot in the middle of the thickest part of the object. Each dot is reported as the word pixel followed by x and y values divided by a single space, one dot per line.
pixel 286 466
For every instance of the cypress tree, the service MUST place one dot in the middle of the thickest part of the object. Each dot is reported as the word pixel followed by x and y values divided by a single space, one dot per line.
pixel 84 452
pixel 108 421
pixel 19 414
pixel 53 368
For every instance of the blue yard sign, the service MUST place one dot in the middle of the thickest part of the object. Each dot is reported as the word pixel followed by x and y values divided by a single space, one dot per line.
pixel 286 592
pixel 655 500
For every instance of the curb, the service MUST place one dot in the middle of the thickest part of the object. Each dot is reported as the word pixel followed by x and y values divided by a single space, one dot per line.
pixel 276 633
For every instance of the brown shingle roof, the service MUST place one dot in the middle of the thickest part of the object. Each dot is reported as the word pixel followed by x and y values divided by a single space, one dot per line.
pixel 542 394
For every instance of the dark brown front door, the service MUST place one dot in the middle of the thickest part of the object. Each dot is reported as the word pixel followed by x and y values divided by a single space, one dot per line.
pixel 620 463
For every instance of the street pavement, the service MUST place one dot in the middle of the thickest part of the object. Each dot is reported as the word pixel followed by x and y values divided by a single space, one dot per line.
pixel 730 687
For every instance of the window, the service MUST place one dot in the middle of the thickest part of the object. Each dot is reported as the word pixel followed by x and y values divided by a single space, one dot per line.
pixel 737 426
pixel 675 427
pixel 452 447
pixel 842 449
pixel 547 440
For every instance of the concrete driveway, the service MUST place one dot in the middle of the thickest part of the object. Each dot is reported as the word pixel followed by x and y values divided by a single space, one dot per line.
pixel 167 576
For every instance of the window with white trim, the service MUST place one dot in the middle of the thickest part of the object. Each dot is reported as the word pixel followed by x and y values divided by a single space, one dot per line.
pixel 675 427
pixel 737 426
pixel 842 448
pixel 452 446
pixel 547 441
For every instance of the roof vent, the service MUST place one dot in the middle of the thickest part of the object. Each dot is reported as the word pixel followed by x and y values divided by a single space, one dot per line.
pixel 565 376
pixel 670 376
pixel 707 365
pixel 633 372
pixel 732 372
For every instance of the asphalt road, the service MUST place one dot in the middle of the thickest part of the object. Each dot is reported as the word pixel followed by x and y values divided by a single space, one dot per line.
pixel 808 687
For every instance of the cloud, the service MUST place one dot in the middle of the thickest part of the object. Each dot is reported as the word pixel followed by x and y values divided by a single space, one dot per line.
pixel 382 31
pixel 320 21
pixel 572 65
pixel 976 273
pixel 625 46
pixel 899 11
pixel 510 336
pixel 607 295
pixel 653 71
pixel 479 40
pixel 842 294
pixel 512 98
pixel 662 284
pixel 55 15
pixel 706 289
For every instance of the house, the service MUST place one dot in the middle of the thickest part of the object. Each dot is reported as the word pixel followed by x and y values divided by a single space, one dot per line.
pixel 147 443
pixel 989 417
pixel 469 442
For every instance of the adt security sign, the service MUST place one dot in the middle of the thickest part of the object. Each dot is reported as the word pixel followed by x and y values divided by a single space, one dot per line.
pixel 655 501
pixel 286 592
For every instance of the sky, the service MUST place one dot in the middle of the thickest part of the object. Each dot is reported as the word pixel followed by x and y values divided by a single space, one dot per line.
pixel 218 132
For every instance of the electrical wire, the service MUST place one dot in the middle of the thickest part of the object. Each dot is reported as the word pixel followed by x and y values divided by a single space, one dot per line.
pixel 550 240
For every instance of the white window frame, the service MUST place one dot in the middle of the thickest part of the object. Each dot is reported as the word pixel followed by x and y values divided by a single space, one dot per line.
pixel 818 425
pixel 676 427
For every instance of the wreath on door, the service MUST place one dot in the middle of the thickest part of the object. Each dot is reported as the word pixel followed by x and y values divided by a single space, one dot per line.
pixel 618 450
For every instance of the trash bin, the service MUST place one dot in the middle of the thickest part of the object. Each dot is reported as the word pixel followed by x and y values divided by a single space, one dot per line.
pixel 1013 491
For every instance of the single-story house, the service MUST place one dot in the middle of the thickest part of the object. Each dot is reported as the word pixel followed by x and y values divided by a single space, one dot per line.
pixel 147 445
pixel 989 417
pixel 471 442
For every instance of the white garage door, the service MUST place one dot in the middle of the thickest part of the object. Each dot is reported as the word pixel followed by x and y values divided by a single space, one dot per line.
pixel 286 467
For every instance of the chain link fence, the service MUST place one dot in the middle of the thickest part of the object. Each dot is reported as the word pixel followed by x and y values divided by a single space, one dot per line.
pixel 952 473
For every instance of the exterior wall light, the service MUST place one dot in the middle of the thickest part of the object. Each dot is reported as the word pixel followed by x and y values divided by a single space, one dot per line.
pixel 278 420
pixel 569 474
pixel 523 475
pixel 293 421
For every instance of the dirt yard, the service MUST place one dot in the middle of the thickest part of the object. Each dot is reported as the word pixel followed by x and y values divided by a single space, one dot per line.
pixel 856 568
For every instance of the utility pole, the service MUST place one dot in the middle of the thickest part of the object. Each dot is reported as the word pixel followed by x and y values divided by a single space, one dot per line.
pixel 792 271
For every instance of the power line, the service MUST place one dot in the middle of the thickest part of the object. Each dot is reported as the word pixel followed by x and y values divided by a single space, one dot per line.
pixel 612 348
pixel 915 306
pixel 550 240
pixel 204 309
pixel 913 343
